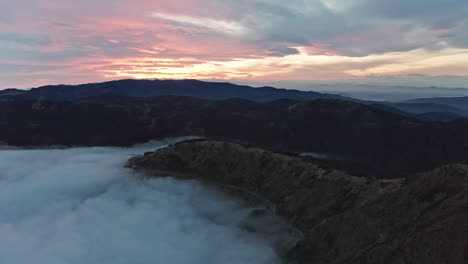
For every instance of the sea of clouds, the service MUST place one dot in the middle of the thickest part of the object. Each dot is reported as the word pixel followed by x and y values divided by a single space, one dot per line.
pixel 81 206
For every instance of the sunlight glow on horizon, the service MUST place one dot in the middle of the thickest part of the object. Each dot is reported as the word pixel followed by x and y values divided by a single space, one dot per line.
pixel 407 63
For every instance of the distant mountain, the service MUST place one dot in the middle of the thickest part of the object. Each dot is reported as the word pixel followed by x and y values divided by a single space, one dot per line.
pixel 151 88
pixel 432 110
pixel 439 116
pixel 422 111
pixel 460 103
pixel 423 107
pixel 11 92
pixel 367 139
pixel 211 91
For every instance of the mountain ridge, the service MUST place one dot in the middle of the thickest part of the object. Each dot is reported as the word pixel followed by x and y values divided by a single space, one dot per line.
pixel 343 218
pixel 380 143
pixel 151 88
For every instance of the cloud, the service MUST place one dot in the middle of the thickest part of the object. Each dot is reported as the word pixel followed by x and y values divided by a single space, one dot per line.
pixel 22 39
pixel 81 206
pixel 422 10
pixel 90 36
pixel 304 65
pixel 282 51
pixel 223 26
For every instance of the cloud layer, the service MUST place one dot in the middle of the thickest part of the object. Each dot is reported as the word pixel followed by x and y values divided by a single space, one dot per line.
pixel 62 41
pixel 81 206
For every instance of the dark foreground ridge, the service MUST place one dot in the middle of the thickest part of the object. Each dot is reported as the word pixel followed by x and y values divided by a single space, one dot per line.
pixel 354 137
pixel 344 219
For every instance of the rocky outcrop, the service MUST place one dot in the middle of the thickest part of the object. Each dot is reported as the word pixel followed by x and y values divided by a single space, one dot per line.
pixel 344 219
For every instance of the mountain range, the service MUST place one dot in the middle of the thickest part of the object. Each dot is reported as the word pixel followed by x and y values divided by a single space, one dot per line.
pixel 366 138
pixel 436 109
pixel 152 88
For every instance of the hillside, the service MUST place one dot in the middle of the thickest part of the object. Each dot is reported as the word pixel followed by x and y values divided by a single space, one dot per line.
pixel 344 218
pixel 355 137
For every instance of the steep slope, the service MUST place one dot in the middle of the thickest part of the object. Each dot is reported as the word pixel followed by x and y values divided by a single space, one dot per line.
pixel 344 219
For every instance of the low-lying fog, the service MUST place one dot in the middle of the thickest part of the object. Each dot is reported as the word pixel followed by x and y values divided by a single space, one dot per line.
pixel 81 206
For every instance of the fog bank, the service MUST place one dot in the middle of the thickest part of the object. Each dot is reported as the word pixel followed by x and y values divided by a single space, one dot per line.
pixel 81 206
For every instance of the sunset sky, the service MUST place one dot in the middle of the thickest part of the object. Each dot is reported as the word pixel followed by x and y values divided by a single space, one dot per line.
pixel 71 41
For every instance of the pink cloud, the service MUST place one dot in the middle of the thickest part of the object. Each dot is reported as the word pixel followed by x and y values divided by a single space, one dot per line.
pixel 104 39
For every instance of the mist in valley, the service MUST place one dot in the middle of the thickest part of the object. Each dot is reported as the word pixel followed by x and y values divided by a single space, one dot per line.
pixel 80 205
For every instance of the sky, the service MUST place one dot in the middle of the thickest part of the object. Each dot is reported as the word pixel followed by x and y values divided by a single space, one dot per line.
pixel 419 42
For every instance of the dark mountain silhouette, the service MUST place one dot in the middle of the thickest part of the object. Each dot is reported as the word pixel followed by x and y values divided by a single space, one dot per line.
pixel 217 91
pixel 151 88
pixel 368 140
